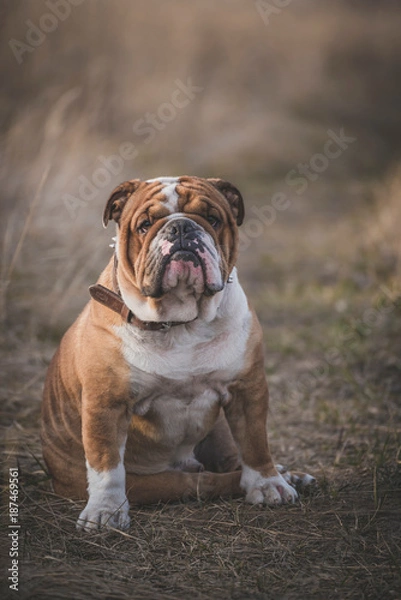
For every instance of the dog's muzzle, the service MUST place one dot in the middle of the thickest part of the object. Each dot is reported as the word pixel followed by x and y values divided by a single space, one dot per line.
pixel 182 252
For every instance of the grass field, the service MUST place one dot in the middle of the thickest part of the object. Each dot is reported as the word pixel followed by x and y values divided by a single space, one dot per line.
pixel 323 272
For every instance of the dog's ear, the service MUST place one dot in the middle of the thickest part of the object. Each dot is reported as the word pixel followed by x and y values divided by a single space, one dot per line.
pixel 118 199
pixel 233 195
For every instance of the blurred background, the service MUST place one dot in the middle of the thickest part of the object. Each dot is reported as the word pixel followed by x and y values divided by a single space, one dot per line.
pixel 298 103
pixel 94 92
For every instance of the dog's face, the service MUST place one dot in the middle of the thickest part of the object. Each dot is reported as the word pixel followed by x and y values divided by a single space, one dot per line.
pixel 176 244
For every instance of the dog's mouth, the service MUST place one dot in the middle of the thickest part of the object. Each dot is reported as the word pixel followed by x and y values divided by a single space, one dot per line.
pixel 187 268
pixel 184 268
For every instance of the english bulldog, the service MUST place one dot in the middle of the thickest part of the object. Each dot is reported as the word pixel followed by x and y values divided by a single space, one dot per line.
pixel 158 392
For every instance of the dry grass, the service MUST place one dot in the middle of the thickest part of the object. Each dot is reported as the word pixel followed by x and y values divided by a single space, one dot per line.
pixel 222 550
pixel 324 277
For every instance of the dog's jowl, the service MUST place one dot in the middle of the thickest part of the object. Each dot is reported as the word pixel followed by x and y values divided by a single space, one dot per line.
pixel 158 391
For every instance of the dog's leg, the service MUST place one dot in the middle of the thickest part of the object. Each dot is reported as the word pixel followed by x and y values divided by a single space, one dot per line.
pixel 104 434
pixel 170 486
pixel 217 452
pixel 247 417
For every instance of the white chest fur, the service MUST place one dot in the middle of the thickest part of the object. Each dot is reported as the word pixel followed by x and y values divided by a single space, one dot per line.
pixel 179 377
pixel 197 349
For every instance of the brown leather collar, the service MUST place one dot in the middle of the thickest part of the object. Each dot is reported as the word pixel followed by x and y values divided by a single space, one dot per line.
pixel 113 301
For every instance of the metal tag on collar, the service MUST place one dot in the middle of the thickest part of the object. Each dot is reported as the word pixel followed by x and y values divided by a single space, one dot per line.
pixel 230 279
pixel 165 326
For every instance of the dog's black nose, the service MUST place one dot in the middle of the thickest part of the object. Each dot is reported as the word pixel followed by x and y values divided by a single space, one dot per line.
pixel 182 228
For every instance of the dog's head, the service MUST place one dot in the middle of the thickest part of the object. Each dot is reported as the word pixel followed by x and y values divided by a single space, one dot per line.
pixel 177 243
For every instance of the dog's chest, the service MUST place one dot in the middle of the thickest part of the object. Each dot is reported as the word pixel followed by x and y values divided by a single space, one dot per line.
pixel 181 381
pixel 181 355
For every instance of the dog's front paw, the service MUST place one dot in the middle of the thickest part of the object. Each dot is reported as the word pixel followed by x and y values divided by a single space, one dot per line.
pixel 97 514
pixel 302 482
pixel 271 491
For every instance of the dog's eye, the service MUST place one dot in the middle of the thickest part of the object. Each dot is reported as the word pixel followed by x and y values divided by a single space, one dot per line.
pixel 144 226
pixel 214 221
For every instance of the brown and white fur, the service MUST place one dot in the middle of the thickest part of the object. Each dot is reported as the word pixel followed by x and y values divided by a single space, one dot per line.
pixel 141 416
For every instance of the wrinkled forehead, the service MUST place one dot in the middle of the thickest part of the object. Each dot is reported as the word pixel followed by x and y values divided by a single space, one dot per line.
pixel 175 194
pixel 164 189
